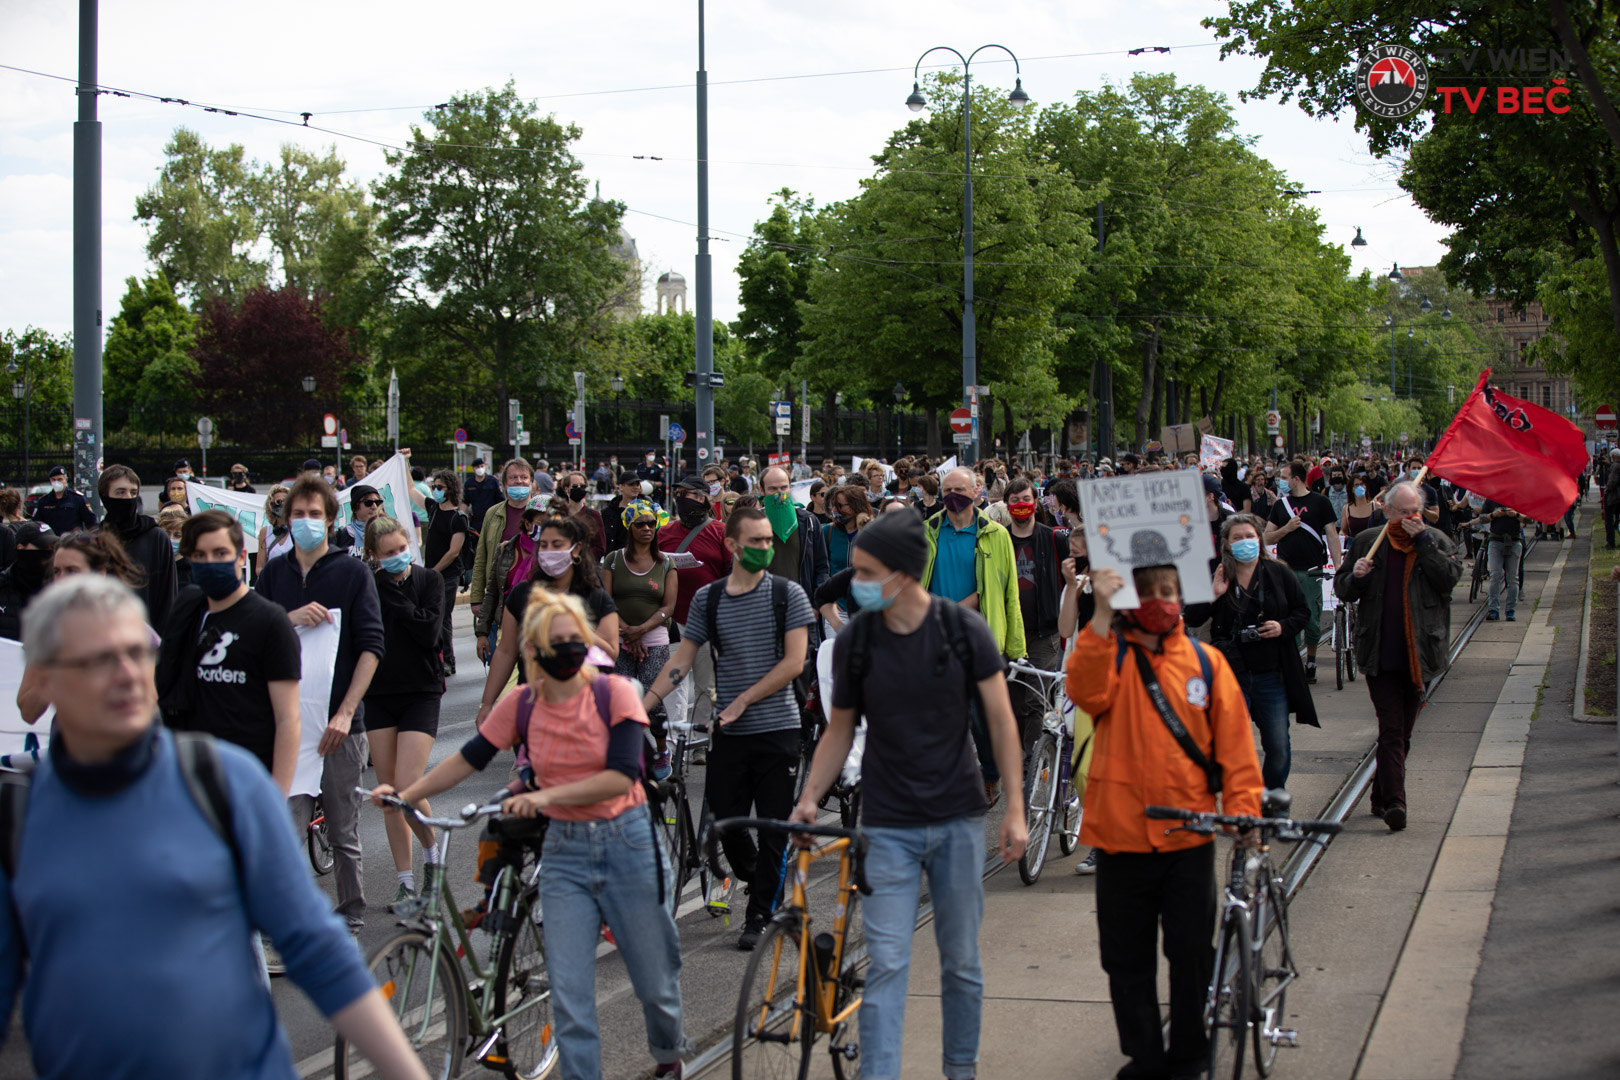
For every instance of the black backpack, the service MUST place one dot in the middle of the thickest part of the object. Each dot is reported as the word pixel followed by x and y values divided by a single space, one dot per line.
pixel 779 604
pixel 956 638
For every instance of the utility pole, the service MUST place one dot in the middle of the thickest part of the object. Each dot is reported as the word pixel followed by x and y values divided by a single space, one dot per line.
pixel 705 271
pixel 87 444
pixel 1104 405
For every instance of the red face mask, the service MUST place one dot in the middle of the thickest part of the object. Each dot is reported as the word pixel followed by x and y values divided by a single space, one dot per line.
pixel 1021 511
pixel 1157 615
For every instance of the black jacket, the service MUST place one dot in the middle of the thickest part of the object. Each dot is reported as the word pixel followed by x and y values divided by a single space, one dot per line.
pixel 480 495
pixel 412 615
pixel 14 597
pixel 1438 569
pixel 149 548
pixel 64 512
pixel 1051 548
pixel 337 580
pixel 1285 603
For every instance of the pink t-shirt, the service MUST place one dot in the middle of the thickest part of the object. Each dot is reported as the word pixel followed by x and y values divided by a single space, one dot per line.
pixel 569 742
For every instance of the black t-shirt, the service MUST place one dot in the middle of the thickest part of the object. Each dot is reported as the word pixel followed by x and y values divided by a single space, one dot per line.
pixel 1299 549
pixel 442 526
pixel 598 605
pixel 1024 561
pixel 240 651
pixel 920 766
pixel 1505 526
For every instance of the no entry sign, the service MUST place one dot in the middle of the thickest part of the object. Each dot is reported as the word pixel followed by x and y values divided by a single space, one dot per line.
pixel 1606 420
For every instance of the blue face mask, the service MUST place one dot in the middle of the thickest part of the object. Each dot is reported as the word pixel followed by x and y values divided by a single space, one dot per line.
pixel 217 580
pixel 1246 550
pixel 396 564
pixel 869 594
pixel 308 533
pixel 1361 492
pixel 1282 486
pixel 175 541
pixel 518 493
pixel 438 495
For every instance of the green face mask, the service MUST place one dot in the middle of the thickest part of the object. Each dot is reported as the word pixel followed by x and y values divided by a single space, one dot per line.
pixel 782 514
pixel 756 559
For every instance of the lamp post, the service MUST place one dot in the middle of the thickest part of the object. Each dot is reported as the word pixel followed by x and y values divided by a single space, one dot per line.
pixel 309 391
pixel 617 382
pixel 1395 280
pixel 19 390
pixel 899 396
pixel 915 102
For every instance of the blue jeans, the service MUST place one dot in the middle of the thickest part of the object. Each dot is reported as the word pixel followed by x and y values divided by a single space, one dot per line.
pixel 1502 556
pixel 607 871
pixel 1267 699
pixel 951 853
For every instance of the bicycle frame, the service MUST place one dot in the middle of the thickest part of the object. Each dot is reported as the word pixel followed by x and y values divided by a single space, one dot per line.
pixel 795 915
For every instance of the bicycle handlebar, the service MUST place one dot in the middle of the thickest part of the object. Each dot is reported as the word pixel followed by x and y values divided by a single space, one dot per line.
pixel 1205 821
pixel 857 839
pixel 470 814
pixel 1025 668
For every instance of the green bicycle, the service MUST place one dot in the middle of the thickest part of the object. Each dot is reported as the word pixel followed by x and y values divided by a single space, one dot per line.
pixel 501 1014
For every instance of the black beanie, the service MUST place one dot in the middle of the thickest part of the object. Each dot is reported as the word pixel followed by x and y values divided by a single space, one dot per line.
pixel 897 541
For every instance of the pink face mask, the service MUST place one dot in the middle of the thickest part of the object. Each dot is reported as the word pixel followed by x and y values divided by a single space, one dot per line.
pixel 554 562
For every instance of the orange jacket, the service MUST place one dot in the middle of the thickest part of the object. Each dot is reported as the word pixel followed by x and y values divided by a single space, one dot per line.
pixel 1135 762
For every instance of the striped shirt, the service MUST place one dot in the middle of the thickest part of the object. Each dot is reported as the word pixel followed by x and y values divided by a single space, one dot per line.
pixel 749 650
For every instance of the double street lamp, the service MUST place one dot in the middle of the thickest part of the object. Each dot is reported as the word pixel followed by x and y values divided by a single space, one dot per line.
pixel 309 440
pixel 20 391
pixel 617 382
pixel 916 102
pixel 899 396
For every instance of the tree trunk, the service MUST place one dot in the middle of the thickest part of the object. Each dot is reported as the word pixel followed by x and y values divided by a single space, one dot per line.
pixel 1186 404
pixel 932 414
pixel 1571 41
pixel 1145 400
pixel 1213 406
pixel 1012 430
pixel 829 423
pixel 1155 409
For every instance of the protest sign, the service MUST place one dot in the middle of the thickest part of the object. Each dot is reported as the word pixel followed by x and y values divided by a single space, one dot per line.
pixel 1212 451
pixel 248 510
pixel 318 646
pixel 947 466
pixel 1149 519
pixel 13 732
pixel 1183 438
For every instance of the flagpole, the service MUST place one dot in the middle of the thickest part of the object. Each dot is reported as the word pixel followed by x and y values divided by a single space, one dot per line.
pixel 1379 539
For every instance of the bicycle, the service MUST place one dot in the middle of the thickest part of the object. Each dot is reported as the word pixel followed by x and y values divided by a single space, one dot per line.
pixel 672 810
pixel 800 985
pixel 846 786
pixel 319 840
pixel 502 1016
pixel 1344 643
pixel 1254 963
pixel 1048 784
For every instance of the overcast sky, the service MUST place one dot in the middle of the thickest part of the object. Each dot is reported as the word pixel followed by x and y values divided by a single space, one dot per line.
pixel 826 84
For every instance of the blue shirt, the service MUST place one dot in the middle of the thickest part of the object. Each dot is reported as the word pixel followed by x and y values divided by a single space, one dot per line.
pixel 955 577
pixel 137 928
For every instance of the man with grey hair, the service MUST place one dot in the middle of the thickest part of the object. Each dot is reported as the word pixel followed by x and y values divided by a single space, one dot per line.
pixel 1404 592
pixel 197 838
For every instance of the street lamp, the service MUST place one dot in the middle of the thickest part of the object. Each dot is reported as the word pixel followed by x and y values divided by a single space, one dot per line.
pixel 1358 241
pixel 617 382
pixel 1425 307
pixel 19 390
pixel 309 441
pixel 899 396
pixel 915 103
pixel 1395 275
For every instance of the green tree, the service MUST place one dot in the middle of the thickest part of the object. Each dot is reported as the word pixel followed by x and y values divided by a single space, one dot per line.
pixel 774 281
pixel 42 365
pixel 146 361
pixel 201 221
pixel 496 260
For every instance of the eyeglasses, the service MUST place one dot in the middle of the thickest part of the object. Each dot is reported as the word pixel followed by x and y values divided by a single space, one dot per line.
pixel 644 524
pixel 102 664
pixel 369 503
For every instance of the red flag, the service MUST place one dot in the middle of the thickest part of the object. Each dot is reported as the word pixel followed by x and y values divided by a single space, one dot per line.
pixel 1525 457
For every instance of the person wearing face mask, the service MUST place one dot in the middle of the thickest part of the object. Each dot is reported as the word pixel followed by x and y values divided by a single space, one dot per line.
pixel 1403 629
pixel 174 494
pixel 1338 490
pixel 182 470
pixel 230 662
pixel 580 731
pixel 1304 529
pixel 171 519
pixel 239 481
pixel 651 471
pixel 147 545
pixel 848 510
pixel 563 565
pixel 502 522
pixel 757 628
pixel 1146 878
pixel 481 492
pixel 311 583
pixel 63 508
pixel 801 549
pixel 818 503
pixel 1359 510
pixel 512 563
pixel 696 533
pixel 1257 611
pixel 1038 551
pixel 275 538
pixel 25 577
pixel 402 703
pixel 1435 510
pixel 579 506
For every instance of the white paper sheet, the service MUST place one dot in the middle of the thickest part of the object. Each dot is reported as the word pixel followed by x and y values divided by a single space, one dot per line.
pixel 319 645
pixel 13 731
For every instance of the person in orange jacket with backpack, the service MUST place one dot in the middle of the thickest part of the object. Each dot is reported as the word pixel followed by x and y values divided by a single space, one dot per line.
pixel 1171 730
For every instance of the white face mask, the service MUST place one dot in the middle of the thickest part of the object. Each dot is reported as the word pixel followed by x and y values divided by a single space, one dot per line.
pixel 480 471
pixel 650 459
pixel 59 486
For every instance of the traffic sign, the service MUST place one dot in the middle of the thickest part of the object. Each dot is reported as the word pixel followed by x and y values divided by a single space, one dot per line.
pixel 1273 421
pixel 523 438
pixel 205 441
pixel 1366 442
pixel 343 436
pixel 962 438
pixel 572 431
pixel 329 425
pixel 329 440
pixel 461 436
pixel 1605 417
pixel 1277 442
pixel 703 453
pixel 677 434
pixel 205 426
pixel 962 424
pixel 1405 438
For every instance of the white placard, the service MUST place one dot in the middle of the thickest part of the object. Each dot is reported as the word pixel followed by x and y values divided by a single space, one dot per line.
pixel 13 732
pixel 1213 451
pixel 319 646
pixel 946 466
pixel 1151 519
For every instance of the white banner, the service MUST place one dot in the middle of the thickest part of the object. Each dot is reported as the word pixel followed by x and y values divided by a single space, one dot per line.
pixel 13 732
pixel 946 466
pixel 1149 519
pixel 801 492
pixel 248 510
pixel 1213 451
pixel 319 645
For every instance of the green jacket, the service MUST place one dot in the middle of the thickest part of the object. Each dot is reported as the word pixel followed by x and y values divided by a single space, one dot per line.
pixel 489 538
pixel 995 572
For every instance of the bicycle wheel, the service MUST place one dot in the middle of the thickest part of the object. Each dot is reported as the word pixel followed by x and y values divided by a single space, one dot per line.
pixel 1068 818
pixel 319 840
pixel 1350 644
pixel 845 1042
pixel 523 990
pixel 1229 999
pixel 425 995
pixel 1340 646
pixel 673 815
pixel 775 1029
pixel 1040 796
pixel 1273 971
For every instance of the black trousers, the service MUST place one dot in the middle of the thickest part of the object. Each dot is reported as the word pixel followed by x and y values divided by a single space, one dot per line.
pixel 1610 519
pixel 447 633
pixel 1137 893
pixel 754 776
pixel 1397 701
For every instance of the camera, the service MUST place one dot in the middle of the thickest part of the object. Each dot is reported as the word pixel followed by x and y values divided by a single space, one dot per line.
pixel 1249 634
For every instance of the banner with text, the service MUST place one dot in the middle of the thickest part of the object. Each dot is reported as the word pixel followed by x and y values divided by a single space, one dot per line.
pixel 1150 519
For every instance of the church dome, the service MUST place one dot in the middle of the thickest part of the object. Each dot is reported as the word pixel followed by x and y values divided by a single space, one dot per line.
pixel 671 278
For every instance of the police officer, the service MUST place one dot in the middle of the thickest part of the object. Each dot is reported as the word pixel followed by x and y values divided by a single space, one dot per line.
pixel 63 509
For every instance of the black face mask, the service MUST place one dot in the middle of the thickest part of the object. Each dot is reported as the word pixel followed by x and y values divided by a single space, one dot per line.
pixel 122 512
pixel 29 569
pixel 692 511
pixel 565 660
pixel 577 493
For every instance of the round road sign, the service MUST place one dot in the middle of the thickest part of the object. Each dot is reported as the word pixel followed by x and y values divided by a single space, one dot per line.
pixel 329 424
pixel 461 436
pixel 205 426
pixel 703 453
pixel 1605 417
pixel 677 434
pixel 962 422
pixel 1405 438
pixel 571 430
pixel 1277 442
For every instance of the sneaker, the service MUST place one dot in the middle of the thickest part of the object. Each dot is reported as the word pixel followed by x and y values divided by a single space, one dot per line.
pixel 1491 616
pixel 273 964
pixel 432 878
pixel 718 902
pixel 404 893
pixel 1088 865
pixel 750 937
pixel 700 756
pixel 1509 617
pixel 607 935
pixel 1310 671
pixel 1395 818
pixel 661 767
pixel 672 1069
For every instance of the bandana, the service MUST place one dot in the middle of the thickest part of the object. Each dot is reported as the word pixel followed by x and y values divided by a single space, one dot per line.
pixel 783 515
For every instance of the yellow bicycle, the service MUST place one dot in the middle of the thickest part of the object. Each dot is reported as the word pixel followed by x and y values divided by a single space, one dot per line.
pixel 800 984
